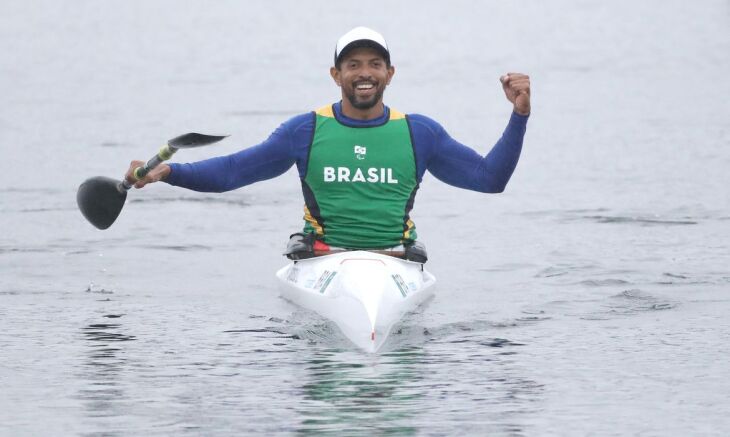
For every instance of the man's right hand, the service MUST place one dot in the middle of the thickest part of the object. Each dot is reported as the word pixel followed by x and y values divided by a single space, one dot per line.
pixel 156 174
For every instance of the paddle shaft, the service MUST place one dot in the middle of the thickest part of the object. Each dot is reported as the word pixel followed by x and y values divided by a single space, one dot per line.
pixel 163 155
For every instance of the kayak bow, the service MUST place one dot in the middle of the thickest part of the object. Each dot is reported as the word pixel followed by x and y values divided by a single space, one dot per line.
pixel 364 293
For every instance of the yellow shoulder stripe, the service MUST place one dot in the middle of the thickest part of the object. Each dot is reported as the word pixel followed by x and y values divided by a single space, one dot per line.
pixel 325 111
pixel 396 115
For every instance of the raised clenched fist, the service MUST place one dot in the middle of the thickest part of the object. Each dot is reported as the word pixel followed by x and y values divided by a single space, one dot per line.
pixel 517 89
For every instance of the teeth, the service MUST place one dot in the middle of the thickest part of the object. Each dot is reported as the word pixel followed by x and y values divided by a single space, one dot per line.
pixel 364 86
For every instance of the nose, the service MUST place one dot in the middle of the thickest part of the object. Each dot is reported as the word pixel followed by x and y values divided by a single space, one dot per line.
pixel 365 74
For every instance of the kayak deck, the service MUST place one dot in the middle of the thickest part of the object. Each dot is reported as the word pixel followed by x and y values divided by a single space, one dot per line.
pixel 364 293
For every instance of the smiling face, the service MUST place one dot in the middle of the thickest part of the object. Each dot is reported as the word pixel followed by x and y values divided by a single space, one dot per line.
pixel 362 74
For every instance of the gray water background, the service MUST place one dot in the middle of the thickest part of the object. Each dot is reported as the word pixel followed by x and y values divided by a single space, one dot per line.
pixel 590 298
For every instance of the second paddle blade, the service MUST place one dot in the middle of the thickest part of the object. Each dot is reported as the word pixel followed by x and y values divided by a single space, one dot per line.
pixel 100 200
pixel 194 140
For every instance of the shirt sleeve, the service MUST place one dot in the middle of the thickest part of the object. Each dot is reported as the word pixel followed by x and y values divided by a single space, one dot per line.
pixel 284 147
pixel 460 166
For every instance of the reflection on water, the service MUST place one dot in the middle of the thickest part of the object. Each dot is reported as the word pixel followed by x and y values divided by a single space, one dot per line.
pixel 359 396
pixel 104 366
pixel 385 395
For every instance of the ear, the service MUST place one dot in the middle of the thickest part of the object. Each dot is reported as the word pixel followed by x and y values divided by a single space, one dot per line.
pixel 391 73
pixel 335 73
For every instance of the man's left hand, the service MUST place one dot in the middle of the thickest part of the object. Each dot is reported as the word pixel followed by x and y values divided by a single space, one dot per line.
pixel 516 87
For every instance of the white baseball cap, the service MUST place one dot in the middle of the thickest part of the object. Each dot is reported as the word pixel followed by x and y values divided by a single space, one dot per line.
pixel 361 37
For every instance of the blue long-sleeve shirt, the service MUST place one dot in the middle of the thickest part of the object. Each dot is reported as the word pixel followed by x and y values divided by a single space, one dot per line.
pixel 435 151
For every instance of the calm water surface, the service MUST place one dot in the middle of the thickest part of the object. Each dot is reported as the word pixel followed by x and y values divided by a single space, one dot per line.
pixel 591 298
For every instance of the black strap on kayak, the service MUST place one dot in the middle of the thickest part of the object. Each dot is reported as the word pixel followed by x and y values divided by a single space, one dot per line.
pixel 416 252
pixel 300 246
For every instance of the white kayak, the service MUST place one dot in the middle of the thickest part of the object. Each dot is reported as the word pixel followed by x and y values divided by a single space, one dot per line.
pixel 364 293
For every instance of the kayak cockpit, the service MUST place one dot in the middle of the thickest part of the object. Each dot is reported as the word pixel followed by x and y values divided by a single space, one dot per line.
pixel 304 246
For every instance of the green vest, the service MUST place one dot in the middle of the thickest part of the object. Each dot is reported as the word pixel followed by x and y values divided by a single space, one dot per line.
pixel 360 183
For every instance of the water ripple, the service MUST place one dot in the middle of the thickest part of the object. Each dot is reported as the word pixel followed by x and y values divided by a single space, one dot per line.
pixel 105 332
pixel 562 270
pixel 642 221
pixel 603 282
pixel 631 302
pixel 177 248
pixel 206 200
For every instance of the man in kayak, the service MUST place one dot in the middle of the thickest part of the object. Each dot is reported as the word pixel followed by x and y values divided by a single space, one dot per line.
pixel 359 161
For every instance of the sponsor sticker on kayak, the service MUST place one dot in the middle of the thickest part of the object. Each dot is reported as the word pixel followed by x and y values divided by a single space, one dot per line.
pixel 327 282
pixel 401 284
pixel 324 280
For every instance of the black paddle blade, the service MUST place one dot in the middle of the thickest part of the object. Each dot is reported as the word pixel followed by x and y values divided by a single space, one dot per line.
pixel 100 200
pixel 190 140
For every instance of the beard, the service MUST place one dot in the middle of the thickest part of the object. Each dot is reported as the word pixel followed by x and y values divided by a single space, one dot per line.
pixel 364 103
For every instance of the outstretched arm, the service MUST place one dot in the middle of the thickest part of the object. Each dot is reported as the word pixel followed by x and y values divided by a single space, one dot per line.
pixel 267 160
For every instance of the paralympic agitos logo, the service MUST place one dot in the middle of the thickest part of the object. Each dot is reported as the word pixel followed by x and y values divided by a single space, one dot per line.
pixel 360 152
